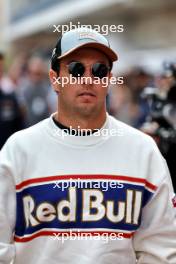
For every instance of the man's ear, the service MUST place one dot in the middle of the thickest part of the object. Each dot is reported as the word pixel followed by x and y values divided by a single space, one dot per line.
pixel 54 79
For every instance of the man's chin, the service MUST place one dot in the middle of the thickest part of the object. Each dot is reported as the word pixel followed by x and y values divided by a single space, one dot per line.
pixel 87 110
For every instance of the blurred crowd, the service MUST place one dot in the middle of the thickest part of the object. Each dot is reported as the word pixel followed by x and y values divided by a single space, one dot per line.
pixel 26 96
pixel 127 102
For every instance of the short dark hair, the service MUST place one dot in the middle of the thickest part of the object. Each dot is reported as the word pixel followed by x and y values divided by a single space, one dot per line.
pixel 110 64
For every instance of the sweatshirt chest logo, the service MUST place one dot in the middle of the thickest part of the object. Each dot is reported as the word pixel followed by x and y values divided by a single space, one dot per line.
pixel 92 208
pixel 41 206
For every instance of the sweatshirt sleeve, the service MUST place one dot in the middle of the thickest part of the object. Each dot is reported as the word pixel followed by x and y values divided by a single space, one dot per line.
pixel 155 240
pixel 7 204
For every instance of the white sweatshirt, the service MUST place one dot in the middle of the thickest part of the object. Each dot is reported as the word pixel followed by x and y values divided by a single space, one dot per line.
pixel 114 188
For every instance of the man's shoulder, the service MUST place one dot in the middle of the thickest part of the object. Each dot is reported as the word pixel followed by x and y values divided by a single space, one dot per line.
pixel 129 133
pixel 30 135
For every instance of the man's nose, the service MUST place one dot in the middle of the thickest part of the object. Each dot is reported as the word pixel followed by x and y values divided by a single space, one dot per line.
pixel 88 78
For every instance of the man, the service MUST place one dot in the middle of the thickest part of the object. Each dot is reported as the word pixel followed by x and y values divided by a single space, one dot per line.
pixel 33 92
pixel 11 118
pixel 67 185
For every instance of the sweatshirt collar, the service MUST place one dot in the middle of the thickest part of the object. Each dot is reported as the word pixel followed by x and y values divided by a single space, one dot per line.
pixel 80 140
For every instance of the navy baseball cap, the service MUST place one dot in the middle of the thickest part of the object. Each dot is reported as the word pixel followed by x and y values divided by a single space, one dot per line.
pixel 82 37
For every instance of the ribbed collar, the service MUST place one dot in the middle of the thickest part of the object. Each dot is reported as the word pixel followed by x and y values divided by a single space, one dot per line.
pixel 79 141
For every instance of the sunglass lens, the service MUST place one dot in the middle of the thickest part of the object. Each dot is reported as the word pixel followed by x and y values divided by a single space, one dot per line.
pixel 100 70
pixel 76 69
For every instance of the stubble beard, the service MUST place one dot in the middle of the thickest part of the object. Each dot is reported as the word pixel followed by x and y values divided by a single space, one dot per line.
pixel 82 111
pixel 88 111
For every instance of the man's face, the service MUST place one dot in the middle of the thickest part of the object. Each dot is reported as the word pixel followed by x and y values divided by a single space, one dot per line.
pixel 75 98
pixel 36 70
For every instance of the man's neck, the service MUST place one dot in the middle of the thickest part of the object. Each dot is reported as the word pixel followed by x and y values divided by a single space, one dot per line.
pixel 81 122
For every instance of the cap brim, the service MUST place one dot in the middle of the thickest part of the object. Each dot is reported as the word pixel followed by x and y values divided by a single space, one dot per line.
pixel 106 50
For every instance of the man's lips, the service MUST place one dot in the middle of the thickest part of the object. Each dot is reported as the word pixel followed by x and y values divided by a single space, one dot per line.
pixel 86 94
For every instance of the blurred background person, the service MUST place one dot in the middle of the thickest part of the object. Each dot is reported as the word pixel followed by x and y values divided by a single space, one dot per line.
pixel 15 74
pixel 160 122
pixel 126 103
pixel 11 118
pixel 121 105
pixel 34 92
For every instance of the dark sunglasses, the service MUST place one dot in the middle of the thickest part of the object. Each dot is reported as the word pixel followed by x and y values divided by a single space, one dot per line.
pixel 77 69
